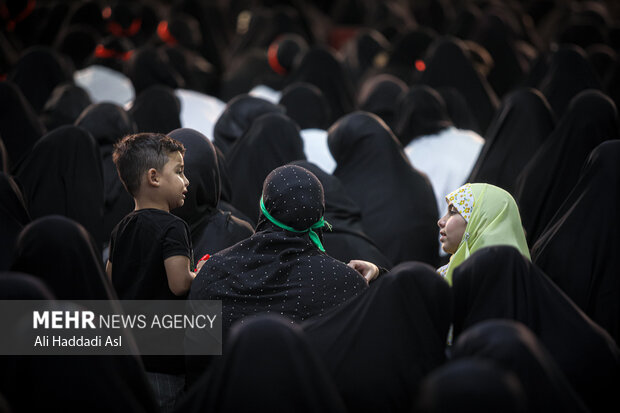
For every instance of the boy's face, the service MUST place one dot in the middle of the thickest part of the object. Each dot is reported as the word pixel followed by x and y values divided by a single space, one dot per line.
pixel 173 181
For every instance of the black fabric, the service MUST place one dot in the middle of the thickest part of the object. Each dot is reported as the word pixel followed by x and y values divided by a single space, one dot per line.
pixel 226 188
pixel 156 109
pixel 379 95
pixel 512 346
pixel 495 34
pixel 138 247
pixel 567 73
pixel 237 117
pixel 408 48
pixel 271 141
pixel 421 111
pixel 459 111
pixel 522 123
pixel 320 67
pixel 61 253
pixel 399 211
pixel 20 126
pixel 67 383
pixel 448 64
pixel 553 171
pixel 306 105
pixel 63 175
pixel 148 67
pixel 362 51
pixel 13 217
pixel 211 229
pixel 245 71
pixel 267 366
pixel 578 249
pixel 22 286
pixel 64 106
pixel 108 123
pixel 498 282
pixel 276 270
pixel 380 345
pixel 471 385
pixel 346 240
pixel 37 72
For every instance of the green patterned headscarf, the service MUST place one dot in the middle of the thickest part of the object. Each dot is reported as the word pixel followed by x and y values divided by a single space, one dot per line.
pixel 492 218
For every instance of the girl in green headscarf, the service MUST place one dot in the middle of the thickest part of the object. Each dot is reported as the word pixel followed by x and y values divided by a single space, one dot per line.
pixel 479 215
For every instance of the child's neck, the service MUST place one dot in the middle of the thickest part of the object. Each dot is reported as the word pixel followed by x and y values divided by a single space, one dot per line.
pixel 150 204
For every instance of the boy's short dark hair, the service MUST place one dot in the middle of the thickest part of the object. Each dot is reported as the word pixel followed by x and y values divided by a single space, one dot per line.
pixel 136 154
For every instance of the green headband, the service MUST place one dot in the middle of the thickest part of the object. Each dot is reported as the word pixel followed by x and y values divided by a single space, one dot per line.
pixel 314 237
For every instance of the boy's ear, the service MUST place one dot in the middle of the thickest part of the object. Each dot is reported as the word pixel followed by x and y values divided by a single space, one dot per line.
pixel 152 177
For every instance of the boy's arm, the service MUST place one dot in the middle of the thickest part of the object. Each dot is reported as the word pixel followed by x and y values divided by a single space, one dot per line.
pixel 179 275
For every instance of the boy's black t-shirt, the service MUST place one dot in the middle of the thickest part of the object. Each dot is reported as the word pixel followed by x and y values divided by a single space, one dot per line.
pixel 139 244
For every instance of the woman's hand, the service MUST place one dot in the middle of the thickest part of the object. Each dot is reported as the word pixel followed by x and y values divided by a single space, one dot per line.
pixel 367 269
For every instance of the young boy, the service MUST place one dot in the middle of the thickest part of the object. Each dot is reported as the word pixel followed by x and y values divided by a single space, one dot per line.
pixel 150 249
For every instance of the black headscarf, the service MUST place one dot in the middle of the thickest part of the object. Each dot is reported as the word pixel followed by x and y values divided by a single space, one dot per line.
pixel 60 252
pixel 21 286
pixel 513 347
pixel 13 217
pixel 267 366
pixel 237 117
pixel 156 109
pixel 277 270
pixel 148 67
pixel 211 229
pixel 379 95
pixel 448 64
pixel 37 72
pixel 346 240
pixel 522 122
pixel 108 123
pixel 381 344
pixel 578 250
pixel 271 141
pixel 362 52
pixel 399 211
pixel 498 282
pixel 567 73
pixel 320 67
pixel 64 106
pixel 245 71
pixel 69 383
pixel 63 175
pixel 408 48
pixel 20 126
pixel 306 105
pixel 495 34
pixel 226 190
pixel 471 385
pixel 458 109
pixel 421 112
pixel 590 119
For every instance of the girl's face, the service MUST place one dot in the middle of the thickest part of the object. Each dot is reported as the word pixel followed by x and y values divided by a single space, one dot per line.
pixel 451 229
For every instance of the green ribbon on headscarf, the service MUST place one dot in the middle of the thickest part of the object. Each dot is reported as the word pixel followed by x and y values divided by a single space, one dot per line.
pixel 314 237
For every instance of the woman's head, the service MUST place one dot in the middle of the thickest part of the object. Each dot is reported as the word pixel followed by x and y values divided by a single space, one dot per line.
pixel 294 196
pixel 480 215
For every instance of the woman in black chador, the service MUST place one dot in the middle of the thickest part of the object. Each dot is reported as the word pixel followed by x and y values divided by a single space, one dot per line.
pixel 399 211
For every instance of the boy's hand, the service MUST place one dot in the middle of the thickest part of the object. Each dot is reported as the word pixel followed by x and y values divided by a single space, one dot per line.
pixel 367 269
pixel 199 265
pixel 201 262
